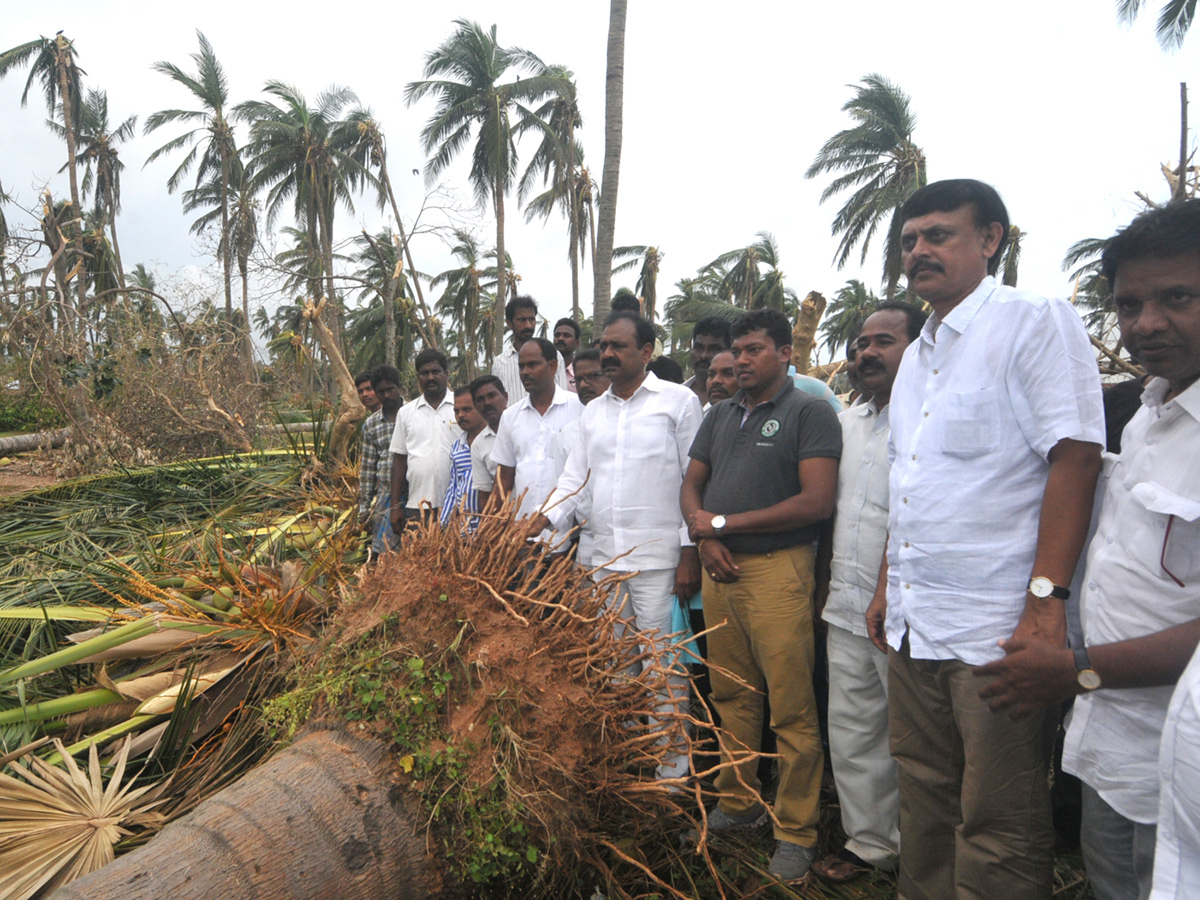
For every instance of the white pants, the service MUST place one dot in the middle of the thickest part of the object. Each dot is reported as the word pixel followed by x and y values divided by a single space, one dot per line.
pixel 648 601
pixel 863 768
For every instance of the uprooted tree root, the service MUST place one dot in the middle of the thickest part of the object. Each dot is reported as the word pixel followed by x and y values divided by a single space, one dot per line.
pixel 494 672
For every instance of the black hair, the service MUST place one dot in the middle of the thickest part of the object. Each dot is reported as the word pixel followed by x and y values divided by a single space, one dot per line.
pixel 478 384
pixel 667 369
pixel 383 373
pixel 429 355
pixel 361 377
pixel 1172 230
pixel 914 314
pixel 645 331
pixel 953 193
pixel 587 354
pixel 571 323
pixel 549 351
pixel 626 300
pixel 522 302
pixel 713 326
pixel 772 321
pixel 465 389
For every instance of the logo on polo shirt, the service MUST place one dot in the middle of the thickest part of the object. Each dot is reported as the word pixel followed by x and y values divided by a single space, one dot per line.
pixel 770 428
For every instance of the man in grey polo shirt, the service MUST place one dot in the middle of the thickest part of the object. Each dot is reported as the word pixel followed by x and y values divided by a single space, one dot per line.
pixel 761 481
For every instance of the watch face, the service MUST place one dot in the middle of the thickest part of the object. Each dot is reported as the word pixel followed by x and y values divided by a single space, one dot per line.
pixel 1041 587
pixel 1089 679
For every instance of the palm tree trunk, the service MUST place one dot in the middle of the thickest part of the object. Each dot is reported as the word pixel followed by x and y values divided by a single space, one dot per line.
pixel 322 819
pixel 611 173
pixel 247 340
pixel 804 336
pixel 226 262
pixel 64 92
pixel 389 320
pixel 112 229
pixel 324 235
pixel 501 279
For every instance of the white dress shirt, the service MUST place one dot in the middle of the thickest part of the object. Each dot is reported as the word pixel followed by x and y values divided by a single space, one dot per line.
pixel 1177 852
pixel 425 435
pixel 979 401
pixel 632 454
pixel 1146 543
pixel 567 439
pixel 860 527
pixel 506 368
pixel 483 467
pixel 528 442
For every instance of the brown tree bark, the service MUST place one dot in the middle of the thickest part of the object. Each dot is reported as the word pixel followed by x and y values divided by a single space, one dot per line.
pixel 322 820
pixel 804 336
pixel 351 412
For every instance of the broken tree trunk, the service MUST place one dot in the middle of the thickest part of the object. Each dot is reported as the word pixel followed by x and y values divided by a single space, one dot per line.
pixel 23 443
pixel 351 412
pixel 322 820
pixel 804 336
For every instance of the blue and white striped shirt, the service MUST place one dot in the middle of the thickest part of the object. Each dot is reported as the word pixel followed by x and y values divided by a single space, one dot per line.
pixel 460 491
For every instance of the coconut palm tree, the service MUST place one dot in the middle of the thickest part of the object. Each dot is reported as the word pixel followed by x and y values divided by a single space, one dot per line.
pixel 213 149
pixel 1093 294
pixel 464 75
pixel 371 151
pixel 879 160
pixel 388 288
pixel 52 63
pixel 305 154
pixel 102 165
pixel 845 315
pixel 1174 19
pixel 647 283
pixel 1010 260
pixel 614 99
pixel 557 161
pixel 742 281
pixel 463 303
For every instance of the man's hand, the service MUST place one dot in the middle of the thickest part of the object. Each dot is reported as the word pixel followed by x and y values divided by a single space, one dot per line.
pixel 1033 674
pixel 396 517
pixel 700 525
pixel 535 525
pixel 876 616
pixel 687 574
pixel 1042 621
pixel 718 562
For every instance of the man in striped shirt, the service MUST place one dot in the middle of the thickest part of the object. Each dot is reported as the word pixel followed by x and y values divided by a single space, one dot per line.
pixel 472 423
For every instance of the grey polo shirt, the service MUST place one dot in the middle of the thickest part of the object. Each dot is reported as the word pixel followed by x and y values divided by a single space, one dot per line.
pixel 755 465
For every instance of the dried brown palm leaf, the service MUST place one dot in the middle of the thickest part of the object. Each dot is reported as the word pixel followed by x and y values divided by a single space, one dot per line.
pixel 60 823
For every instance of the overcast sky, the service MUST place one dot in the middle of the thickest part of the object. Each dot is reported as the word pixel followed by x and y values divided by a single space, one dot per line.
pixel 1066 112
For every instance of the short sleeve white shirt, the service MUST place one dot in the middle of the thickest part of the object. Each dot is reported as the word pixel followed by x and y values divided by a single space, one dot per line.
pixel 483 468
pixel 528 442
pixel 860 527
pixel 980 399
pixel 568 438
pixel 632 453
pixel 506 368
pixel 425 434
pixel 1142 576
pixel 1177 853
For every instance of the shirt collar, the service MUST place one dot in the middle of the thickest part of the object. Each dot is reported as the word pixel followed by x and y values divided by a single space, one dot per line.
pixel 561 396
pixel 962 315
pixel 788 385
pixel 1188 401
pixel 650 383
pixel 446 399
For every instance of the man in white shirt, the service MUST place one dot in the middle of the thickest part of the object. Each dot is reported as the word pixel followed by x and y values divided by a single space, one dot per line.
pixel 996 432
pixel 566 340
pixel 491 400
pixel 863 768
pixel 526 447
pixel 425 432
pixel 632 453
pixel 521 316
pixel 590 383
pixel 1177 849
pixel 1141 597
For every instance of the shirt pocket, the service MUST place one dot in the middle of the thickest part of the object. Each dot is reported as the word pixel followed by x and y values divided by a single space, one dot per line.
pixel 1178 527
pixel 971 423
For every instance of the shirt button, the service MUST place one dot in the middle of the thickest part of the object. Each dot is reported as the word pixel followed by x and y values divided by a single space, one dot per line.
pixel 927 415
pixel 1109 540
pixel 935 371
pixel 914 456
pixel 908 587
pixel 1091 585
pixel 906 544
pixel 1128 486
pixel 905 499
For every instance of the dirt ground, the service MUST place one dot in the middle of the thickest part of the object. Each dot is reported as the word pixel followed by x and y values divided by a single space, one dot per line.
pixel 25 472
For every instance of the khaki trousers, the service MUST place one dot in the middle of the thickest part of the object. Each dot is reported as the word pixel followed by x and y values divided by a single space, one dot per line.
pixel 975 820
pixel 768 643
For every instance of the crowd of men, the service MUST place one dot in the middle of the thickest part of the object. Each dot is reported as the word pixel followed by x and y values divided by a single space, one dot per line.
pixel 973 558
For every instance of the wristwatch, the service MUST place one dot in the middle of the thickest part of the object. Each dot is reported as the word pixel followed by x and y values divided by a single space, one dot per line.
pixel 718 524
pixel 1088 678
pixel 1042 587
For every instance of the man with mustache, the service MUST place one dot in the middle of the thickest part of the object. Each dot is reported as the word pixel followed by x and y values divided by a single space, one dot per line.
pixel 863 769
pixel 521 315
pixel 1141 592
pixel 566 340
pixel 709 337
pixel 996 432
pixel 590 383
pixel 525 444
pixel 632 451
pixel 722 379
